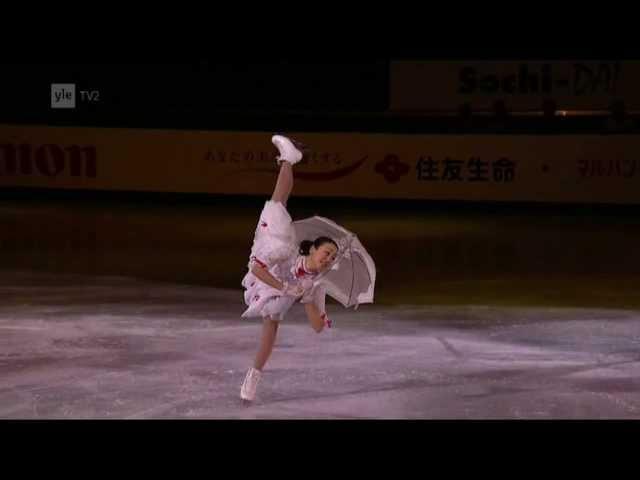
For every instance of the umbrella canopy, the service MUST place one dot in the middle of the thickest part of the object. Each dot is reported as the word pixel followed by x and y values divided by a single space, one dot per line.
pixel 352 277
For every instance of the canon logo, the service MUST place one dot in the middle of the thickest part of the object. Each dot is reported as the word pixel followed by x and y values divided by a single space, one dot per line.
pixel 49 160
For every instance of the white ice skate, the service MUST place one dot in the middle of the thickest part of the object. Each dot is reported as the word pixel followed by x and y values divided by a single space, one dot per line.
pixel 248 390
pixel 288 151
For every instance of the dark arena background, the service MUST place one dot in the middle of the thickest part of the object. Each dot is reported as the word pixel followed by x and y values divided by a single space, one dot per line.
pixel 499 199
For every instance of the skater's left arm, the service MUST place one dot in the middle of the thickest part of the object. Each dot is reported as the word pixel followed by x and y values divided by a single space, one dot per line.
pixel 315 308
pixel 316 317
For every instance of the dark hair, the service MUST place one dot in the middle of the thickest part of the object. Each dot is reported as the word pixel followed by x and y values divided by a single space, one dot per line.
pixel 305 245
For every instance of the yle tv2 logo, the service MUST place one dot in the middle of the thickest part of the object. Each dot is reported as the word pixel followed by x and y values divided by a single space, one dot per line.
pixel 63 95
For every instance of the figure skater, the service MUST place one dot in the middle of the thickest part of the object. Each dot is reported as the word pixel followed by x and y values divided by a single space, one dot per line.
pixel 281 271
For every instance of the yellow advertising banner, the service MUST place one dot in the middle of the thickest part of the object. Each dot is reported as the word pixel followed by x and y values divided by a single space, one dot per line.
pixel 573 85
pixel 560 168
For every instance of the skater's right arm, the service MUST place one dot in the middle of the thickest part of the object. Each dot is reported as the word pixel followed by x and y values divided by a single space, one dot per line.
pixel 262 273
